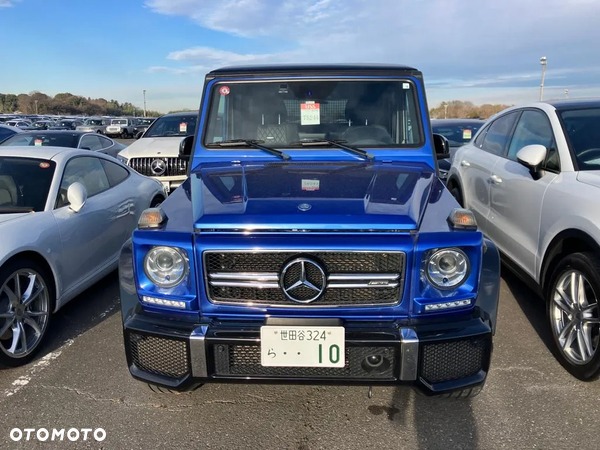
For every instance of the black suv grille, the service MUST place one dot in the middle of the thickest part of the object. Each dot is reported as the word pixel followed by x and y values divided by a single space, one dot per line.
pixel 165 357
pixel 222 268
pixel 244 360
pixel 174 166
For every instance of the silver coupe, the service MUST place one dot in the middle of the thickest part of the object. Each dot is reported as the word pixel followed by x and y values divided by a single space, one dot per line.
pixel 64 215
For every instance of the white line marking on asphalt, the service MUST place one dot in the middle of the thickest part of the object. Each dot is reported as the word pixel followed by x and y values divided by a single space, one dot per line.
pixel 24 380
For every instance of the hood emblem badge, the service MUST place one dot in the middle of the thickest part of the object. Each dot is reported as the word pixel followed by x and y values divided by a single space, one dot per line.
pixel 304 207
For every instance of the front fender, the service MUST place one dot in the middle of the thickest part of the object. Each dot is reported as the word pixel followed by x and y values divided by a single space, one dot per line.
pixel 489 285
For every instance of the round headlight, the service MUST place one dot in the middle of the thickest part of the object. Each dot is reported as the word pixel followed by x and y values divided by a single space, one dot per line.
pixel 448 268
pixel 166 266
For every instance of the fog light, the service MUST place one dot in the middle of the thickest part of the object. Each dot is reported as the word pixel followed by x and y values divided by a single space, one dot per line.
pixel 374 361
pixel 447 305
pixel 163 302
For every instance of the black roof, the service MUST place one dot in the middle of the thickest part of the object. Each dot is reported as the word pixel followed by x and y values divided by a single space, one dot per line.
pixel 320 69
pixel 580 103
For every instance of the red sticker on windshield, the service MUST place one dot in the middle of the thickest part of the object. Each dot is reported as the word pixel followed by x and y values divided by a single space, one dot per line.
pixel 224 90
pixel 44 165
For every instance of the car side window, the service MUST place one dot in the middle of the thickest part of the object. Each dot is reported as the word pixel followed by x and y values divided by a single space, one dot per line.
pixel 533 128
pixel 90 142
pixel 499 133
pixel 481 137
pixel 105 142
pixel 87 171
pixel 115 173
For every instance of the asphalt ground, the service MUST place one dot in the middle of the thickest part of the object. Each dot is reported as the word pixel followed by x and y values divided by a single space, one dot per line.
pixel 80 380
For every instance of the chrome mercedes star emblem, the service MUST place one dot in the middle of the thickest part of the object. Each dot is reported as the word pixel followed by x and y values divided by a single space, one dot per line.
pixel 303 280
pixel 158 167
pixel 304 206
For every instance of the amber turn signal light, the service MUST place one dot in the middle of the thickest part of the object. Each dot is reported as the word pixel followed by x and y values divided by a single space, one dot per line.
pixel 462 219
pixel 152 218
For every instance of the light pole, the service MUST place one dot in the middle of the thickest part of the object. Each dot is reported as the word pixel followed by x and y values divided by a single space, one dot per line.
pixel 144 91
pixel 566 93
pixel 543 62
pixel 36 107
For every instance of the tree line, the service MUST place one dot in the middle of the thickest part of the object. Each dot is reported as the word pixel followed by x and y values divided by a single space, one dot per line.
pixel 457 109
pixel 67 104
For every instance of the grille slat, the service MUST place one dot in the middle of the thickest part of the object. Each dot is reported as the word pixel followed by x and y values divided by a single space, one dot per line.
pixel 389 265
pixel 244 360
pixel 175 166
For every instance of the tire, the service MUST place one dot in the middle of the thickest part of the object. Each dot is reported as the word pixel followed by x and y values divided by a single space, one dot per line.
pixel 457 194
pixel 43 303
pixel 156 201
pixel 583 314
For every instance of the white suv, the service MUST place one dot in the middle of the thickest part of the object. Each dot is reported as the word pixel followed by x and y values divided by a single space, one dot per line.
pixel 156 153
pixel 532 178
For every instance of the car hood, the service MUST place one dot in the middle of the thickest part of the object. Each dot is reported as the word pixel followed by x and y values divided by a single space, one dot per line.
pixel 335 196
pixel 145 147
pixel 591 177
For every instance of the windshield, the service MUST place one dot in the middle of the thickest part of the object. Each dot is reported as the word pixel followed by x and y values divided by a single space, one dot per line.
pixel 24 184
pixel 173 126
pixel 118 122
pixel 93 122
pixel 361 113
pixel 457 133
pixel 42 139
pixel 583 130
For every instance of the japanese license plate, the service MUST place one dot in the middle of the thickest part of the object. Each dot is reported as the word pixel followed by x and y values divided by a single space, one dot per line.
pixel 302 346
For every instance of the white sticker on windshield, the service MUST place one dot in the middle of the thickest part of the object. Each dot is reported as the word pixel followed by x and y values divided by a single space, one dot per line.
pixel 405 85
pixel 310 113
pixel 310 185
pixel 38 142
pixel 183 127
pixel 467 134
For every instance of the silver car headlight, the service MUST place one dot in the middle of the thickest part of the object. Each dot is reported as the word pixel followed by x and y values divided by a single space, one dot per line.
pixel 447 268
pixel 166 267
pixel 123 159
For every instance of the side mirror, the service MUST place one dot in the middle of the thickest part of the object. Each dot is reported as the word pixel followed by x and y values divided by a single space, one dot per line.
pixel 442 146
pixel 76 196
pixel 139 135
pixel 532 157
pixel 185 147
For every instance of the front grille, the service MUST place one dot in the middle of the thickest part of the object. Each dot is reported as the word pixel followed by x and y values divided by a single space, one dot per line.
pixel 165 357
pixel 247 277
pixel 244 360
pixel 447 361
pixel 339 262
pixel 174 166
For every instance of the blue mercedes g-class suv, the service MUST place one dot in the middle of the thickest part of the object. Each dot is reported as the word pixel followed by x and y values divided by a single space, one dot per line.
pixel 312 242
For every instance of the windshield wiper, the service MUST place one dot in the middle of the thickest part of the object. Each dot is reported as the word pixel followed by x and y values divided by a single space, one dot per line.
pixel 251 143
pixel 338 144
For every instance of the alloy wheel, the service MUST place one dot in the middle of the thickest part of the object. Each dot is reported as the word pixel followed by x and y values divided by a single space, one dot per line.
pixel 24 312
pixel 575 317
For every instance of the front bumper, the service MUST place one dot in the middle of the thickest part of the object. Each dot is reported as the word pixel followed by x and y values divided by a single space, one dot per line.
pixel 436 359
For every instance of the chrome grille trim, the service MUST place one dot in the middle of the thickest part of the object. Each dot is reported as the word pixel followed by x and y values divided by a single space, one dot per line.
pixel 242 288
pixel 175 166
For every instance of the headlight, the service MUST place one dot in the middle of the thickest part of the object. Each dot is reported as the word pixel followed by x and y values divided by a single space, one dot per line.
pixel 123 159
pixel 166 266
pixel 448 268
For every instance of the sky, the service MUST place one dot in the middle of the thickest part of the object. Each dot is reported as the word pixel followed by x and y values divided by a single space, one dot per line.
pixel 484 51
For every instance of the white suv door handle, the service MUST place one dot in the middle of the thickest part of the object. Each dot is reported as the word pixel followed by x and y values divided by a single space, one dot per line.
pixel 495 179
pixel 465 163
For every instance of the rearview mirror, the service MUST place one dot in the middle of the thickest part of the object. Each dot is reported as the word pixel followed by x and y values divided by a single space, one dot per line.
pixel 185 147
pixel 442 146
pixel 532 157
pixel 76 196
pixel 139 135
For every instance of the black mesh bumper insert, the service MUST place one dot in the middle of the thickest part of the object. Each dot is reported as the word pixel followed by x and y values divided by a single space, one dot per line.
pixel 165 357
pixel 447 361
pixel 244 360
